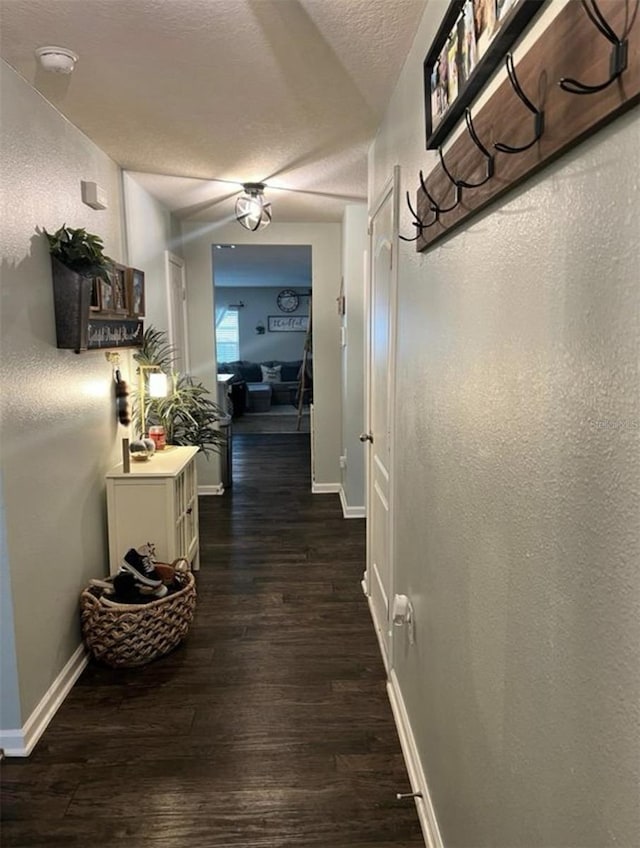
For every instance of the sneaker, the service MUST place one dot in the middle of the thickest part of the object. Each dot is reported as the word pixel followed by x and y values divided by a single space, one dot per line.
pixel 128 591
pixel 153 594
pixel 148 550
pixel 106 586
pixel 141 567
pixel 134 600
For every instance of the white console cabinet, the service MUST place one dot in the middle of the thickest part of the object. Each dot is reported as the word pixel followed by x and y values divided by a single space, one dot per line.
pixel 157 501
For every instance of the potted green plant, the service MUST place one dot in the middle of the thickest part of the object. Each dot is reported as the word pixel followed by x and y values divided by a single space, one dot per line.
pixel 188 414
pixel 77 257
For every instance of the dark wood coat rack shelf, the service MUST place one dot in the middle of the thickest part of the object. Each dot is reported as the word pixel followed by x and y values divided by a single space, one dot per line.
pixel 571 46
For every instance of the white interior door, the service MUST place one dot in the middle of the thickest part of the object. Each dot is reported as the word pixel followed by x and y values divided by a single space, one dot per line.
pixel 382 297
pixel 177 301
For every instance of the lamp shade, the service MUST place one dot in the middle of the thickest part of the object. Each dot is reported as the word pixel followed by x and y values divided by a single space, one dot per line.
pixel 157 384
pixel 252 210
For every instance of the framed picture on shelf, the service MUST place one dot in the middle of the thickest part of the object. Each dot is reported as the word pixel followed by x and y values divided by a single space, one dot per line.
pixel 135 292
pixel 119 289
pixel 106 296
pixel 95 303
pixel 112 296
pixel 472 41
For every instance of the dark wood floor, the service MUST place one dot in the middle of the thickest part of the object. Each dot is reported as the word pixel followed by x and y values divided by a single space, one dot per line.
pixel 268 728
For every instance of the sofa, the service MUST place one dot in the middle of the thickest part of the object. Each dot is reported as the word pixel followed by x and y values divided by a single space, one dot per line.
pixel 282 377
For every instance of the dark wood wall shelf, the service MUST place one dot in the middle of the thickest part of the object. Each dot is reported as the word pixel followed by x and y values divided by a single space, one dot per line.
pixel 571 46
pixel 92 314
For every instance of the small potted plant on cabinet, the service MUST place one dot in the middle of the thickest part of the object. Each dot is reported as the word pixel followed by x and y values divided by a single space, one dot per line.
pixel 77 258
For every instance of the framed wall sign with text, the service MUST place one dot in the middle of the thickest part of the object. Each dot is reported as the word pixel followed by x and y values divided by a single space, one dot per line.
pixel 115 332
pixel 288 323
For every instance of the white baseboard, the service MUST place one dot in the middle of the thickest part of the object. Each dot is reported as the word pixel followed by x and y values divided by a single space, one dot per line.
pixel 350 511
pixel 417 779
pixel 205 491
pixel 325 488
pixel 424 806
pixel 20 743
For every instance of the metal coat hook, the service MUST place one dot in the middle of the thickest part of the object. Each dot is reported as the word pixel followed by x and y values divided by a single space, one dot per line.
pixel 475 139
pixel 489 157
pixel 418 222
pixel 538 114
pixel 617 62
pixel 439 210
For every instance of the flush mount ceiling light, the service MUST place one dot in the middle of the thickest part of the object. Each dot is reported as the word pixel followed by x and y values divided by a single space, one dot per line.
pixel 59 60
pixel 252 210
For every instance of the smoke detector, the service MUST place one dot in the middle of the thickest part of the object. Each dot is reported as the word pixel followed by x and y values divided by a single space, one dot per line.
pixel 58 60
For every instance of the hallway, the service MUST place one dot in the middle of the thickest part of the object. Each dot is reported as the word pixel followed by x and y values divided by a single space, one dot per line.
pixel 268 728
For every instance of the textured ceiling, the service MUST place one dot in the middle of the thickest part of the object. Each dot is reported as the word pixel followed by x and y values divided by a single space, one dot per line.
pixel 184 92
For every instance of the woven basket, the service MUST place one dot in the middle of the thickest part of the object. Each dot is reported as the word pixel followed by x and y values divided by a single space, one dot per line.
pixel 130 635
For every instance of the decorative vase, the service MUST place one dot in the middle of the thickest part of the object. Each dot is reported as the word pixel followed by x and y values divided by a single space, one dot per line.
pixel 139 450
pixel 157 433
pixel 151 445
pixel 71 298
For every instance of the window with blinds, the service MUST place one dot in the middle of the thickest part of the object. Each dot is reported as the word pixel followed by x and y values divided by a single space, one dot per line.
pixel 228 337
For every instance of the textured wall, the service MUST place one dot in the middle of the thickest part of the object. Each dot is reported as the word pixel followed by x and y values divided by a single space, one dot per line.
pixel 518 520
pixel 59 432
pixel 325 241
pixel 149 234
pixel 354 245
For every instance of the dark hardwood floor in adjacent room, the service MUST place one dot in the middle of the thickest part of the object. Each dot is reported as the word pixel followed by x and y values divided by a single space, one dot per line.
pixel 269 727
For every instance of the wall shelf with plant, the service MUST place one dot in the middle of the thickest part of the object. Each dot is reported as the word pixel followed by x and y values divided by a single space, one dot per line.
pixel 98 302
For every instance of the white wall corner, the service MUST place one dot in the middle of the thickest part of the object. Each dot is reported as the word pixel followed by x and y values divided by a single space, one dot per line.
pixel 417 779
pixel 350 511
pixel 20 742
pixel 206 491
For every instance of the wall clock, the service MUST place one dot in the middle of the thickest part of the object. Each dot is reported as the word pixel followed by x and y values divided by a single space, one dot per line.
pixel 288 300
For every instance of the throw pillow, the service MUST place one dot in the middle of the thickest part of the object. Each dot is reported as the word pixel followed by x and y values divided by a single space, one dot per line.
pixel 251 371
pixel 290 371
pixel 271 375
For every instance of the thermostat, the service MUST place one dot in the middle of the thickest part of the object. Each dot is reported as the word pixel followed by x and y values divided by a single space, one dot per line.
pixel 93 195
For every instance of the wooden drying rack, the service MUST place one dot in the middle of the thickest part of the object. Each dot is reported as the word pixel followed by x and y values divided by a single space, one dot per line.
pixel 571 46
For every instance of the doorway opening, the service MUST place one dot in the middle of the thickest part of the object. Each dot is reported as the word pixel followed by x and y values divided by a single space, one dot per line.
pixel 263 308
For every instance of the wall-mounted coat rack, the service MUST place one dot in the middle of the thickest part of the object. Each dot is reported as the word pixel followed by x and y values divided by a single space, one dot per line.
pixel 536 114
